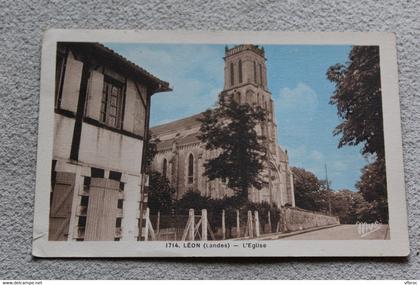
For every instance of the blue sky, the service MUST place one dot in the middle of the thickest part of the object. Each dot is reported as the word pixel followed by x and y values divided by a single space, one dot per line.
pixel 296 79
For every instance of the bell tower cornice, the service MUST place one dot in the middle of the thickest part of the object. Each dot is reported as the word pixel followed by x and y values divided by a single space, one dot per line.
pixel 245 64
pixel 247 47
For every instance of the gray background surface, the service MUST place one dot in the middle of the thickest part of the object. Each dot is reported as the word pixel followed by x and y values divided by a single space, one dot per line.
pixel 22 26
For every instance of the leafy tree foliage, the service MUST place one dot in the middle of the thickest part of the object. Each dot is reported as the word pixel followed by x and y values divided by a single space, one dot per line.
pixel 160 193
pixel 312 194
pixel 151 150
pixel 191 200
pixel 351 207
pixel 372 185
pixel 358 100
pixel 357 97
pixel 230 130
pixel 308 189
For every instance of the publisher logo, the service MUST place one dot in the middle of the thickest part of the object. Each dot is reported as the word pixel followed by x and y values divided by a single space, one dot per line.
pixel 366 228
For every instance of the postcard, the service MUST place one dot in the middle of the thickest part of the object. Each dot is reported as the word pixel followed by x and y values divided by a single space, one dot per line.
pixel 175 143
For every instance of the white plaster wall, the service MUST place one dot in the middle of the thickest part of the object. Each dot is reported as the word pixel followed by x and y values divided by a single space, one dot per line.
pixel 102 147
pixel 71 85
pixel 131 208
pixel 63 136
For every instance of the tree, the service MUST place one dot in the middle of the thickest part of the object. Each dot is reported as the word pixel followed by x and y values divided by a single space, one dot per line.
pixel 357 97
pixel 351 207
pixel 358 100
pixel 307 189
pixel 160 193
pixel 372 185
pixel 191 200
pixel 230 130
pixel 151 150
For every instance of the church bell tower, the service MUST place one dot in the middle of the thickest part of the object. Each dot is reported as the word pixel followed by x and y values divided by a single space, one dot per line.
pixel 246 82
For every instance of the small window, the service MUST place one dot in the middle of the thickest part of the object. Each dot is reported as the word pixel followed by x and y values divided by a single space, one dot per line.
pixel 190 169
pixel 164 167
pixel 120 203
pixel 84 202
pixel 261 77
pixel 111 104
pixel 115 175
pixel 240 71
pixel 118 223
pixel 86 181
pixel 97 172
pixel 82 221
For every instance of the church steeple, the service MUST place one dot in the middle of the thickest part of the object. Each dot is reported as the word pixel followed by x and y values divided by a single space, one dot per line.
pixel 246 83
pixel 245 64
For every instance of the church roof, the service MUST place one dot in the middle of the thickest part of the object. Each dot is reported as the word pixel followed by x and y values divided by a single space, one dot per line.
pixel 167 144
pixel 178 125
pixel 179 129
pixel 118 62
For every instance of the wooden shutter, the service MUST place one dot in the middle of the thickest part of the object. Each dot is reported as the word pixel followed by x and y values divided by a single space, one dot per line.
pixel 139 115
pixel 96 86
pixel 135 109
pixel 61 205
pixel 102 210
pixel 71 84
pixel 130 93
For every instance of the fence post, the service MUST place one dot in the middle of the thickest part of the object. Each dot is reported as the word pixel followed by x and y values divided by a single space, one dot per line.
pixel 257 224
pixel 269 222
pixel 250 227
pixel 146 227
pixel 238 225
pixel 192 224
pixel 204 224
pixel 223 225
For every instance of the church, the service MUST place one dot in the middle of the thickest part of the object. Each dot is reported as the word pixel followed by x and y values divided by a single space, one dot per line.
pixel 181 155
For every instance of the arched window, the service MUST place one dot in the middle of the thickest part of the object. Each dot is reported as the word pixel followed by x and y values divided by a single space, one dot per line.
pixel 190 169
pixel 255 72
pixel 232 81
pixel 240 71
pixel 249 97
pixel 237 97
pixel 164 167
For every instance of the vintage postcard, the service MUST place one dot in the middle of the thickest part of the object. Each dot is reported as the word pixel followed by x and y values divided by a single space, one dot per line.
pixel 159 143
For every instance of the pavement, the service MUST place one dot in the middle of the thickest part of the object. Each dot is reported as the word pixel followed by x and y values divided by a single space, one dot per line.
pixel 338 232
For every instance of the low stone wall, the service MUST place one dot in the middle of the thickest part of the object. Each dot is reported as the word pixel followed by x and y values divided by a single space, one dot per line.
pixel 295 219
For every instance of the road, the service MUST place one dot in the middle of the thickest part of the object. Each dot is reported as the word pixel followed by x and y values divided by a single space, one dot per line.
pixel 341 232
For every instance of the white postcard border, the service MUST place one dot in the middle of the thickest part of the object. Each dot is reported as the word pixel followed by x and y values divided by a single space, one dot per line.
pixel 398 245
